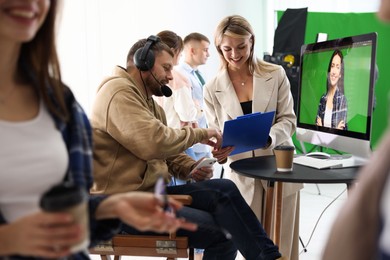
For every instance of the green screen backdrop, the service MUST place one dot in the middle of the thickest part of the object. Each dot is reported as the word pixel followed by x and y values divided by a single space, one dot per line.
pixel 338 25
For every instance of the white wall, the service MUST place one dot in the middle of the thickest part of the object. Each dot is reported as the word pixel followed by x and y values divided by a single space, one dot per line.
pixel 95 35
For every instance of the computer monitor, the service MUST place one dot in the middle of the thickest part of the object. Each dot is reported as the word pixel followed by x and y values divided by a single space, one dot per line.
pixel 344 124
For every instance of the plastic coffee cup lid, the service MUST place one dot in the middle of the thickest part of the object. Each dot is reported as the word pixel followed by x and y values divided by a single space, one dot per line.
pixel 285 147
pixel 62 196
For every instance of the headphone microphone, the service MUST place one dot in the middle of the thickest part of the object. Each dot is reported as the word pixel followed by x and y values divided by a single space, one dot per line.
pixel 144 60
pixel 166 91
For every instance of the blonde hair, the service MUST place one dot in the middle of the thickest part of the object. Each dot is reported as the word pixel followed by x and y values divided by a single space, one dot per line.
pixel 238 27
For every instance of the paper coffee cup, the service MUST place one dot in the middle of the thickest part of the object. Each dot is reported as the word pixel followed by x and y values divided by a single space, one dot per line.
pixel 284 155
pixel 72 199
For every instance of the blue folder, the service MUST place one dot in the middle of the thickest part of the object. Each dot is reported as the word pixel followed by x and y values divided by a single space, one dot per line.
pixel 248 132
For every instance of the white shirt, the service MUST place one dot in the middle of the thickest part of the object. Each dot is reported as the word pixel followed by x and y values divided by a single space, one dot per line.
pixel 179 108
pixel 197 97
pixel 328 118
pixel 33 159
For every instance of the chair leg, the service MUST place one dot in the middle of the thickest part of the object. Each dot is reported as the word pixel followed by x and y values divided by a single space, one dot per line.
pixel 191 253
pixel 117 257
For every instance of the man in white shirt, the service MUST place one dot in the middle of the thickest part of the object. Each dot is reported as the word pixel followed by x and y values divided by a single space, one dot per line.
pixel 196 53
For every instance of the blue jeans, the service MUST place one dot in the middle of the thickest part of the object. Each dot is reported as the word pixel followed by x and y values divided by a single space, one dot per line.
pixel 218 205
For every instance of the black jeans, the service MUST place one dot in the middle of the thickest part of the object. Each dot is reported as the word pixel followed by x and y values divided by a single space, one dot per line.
pixel 226 222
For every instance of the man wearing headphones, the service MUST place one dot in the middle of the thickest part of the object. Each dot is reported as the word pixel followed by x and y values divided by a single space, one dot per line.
pixel 134 146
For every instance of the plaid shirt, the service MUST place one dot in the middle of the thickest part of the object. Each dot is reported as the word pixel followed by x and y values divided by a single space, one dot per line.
pixel 77 136
pixel 339 111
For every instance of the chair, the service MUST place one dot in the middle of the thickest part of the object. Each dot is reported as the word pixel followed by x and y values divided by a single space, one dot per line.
pixel 168 246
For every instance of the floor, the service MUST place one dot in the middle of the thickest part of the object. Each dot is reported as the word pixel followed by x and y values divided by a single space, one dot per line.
pixel 319 207
pixel 317 214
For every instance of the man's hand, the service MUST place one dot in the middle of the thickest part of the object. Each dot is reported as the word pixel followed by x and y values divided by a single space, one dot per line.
pixel 214 138
pixel 202 173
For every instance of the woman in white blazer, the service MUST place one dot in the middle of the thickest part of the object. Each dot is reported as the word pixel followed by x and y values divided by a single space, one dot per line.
pixel 243 85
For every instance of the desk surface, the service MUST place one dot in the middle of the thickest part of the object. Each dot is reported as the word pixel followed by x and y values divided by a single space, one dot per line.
pixel 264 168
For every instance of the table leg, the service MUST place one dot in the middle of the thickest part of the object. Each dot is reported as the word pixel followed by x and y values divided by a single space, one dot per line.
pixel 278 212
pixel 268 207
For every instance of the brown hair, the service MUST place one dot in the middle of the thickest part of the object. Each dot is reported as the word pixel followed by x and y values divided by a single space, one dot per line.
pixel 40 56
pixel 237 26
pixel 340 83
pixel 171 39
pixel 157 47
pixel 195 37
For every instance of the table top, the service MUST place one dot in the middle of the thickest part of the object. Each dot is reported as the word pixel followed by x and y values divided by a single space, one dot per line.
pixel 264 168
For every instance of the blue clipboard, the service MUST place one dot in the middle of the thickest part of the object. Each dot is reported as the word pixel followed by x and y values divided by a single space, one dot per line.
pixel 248 132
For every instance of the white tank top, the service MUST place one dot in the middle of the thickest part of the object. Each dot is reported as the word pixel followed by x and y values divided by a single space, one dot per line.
pixel 33 158
pixel 328 118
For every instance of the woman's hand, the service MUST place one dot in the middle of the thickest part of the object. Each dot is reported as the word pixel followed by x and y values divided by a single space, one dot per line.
pixel 341 125
pixel 143 211
pixel 319 121
pixel 222 154
pixel 214 138
pixel 44 235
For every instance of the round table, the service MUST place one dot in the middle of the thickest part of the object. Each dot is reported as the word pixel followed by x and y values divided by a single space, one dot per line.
pixel 264 168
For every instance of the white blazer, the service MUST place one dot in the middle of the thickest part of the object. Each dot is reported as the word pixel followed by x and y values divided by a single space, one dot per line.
pixel 270 92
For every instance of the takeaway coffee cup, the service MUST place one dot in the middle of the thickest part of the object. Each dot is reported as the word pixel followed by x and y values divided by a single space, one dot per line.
pixel 67 197
pixel 284 155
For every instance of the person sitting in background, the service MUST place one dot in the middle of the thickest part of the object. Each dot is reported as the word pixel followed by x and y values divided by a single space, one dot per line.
pixel 177 115
pixel 180 108
pixel 134 146
pixel 185 106
pixel 46 138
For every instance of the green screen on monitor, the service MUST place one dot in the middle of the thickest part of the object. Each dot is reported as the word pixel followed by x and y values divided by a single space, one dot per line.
pixel 354 84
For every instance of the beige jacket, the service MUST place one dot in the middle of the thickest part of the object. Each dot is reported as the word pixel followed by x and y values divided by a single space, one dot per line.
pixel 270 92
pixel 133 145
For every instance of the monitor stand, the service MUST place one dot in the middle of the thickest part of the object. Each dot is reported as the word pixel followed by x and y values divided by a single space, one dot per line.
pixel 318 155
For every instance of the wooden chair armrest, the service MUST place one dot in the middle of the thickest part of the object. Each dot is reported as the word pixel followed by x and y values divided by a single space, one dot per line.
pixel 167 245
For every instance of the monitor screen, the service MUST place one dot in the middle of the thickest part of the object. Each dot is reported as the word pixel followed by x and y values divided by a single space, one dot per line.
pixel 335 93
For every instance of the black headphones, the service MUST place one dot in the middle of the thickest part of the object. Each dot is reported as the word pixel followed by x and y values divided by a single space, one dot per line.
pixel 144 57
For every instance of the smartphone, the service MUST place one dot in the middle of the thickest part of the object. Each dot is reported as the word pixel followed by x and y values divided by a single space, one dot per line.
pixel 203 163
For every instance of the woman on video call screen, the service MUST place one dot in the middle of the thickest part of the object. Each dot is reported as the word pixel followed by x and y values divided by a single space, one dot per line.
pixel 330 78
pixel 332 109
